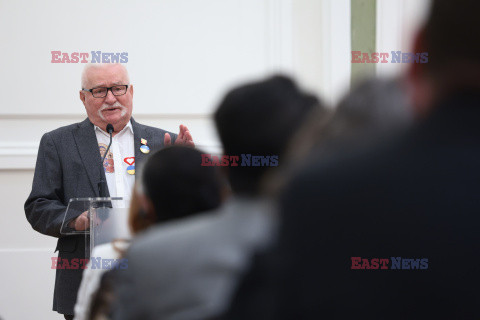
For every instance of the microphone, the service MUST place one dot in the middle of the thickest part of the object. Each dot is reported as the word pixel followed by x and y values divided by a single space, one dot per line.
pixel 110 129
pixel 102 185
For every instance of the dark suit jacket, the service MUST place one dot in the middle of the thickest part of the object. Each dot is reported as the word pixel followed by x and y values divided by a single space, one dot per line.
pixel 417 196
pixel 69 166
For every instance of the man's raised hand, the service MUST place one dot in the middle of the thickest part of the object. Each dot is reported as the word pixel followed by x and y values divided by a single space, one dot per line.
pixel 184 138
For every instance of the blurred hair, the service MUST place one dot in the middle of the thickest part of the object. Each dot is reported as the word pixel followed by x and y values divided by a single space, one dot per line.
pixel 259 118
pixel 451 38
pixel 178 186
pixel 373 108
pixel 137 219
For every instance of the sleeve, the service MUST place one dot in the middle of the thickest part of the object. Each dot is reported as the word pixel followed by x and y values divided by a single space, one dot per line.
pixel 44 207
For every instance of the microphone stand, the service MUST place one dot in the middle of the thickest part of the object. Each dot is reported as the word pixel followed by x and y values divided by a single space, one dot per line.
pixel 102 185
pixel 101 207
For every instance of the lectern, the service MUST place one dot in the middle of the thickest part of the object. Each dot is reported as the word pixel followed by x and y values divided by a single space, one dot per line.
pixel 108 219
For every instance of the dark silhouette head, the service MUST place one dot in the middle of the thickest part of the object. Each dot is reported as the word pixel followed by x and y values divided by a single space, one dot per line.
pixel 451 35
pixel 176 184
pixel 450 38
pixel 259 119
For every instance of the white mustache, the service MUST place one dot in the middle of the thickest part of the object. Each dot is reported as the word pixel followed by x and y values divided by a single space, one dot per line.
pixel 115 105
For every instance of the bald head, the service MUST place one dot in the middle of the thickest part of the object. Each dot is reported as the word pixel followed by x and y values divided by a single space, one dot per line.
pixel 87 70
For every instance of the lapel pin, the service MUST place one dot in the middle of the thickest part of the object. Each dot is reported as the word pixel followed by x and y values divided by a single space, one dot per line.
pixel 131 167
pixel 144 148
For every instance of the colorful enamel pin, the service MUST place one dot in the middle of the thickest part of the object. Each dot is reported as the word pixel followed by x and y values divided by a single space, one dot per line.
pixel 131 164
pixel 144 148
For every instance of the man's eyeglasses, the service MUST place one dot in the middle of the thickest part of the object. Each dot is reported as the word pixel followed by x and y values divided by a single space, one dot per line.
pixel 101 92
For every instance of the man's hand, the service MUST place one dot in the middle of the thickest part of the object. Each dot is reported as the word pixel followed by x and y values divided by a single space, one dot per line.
pixel 80 223
pixel 184 138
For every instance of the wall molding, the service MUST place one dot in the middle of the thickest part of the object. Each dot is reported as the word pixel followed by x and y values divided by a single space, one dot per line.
pixel 18 156
pixel 81 116
pixel 20 133
pixel 23 155
pixel 23 250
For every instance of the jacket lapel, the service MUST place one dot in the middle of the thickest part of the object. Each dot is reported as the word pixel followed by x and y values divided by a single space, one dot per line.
pixel 140 132
pixel 87 145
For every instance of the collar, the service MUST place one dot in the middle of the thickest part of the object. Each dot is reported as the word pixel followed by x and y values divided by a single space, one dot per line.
pixel 128 126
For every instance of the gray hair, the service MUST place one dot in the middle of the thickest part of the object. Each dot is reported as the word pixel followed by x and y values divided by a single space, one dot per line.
pixel 375 104
pixel 89 66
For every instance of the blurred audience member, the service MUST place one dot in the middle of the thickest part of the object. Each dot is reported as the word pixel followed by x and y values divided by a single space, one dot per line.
pixel 172 186
pixel 187 270
pixel 373 107
pixel 412 201
pixel 373 110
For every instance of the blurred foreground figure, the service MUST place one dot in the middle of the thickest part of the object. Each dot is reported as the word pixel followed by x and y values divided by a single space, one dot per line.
pixel 188 270
pixel 391 231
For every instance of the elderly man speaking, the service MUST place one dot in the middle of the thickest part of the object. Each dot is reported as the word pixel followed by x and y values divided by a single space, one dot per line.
pixel 69 165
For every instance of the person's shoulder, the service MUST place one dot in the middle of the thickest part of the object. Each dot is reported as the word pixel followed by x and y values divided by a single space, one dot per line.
pixel 184 228
pixel 151 129
pixel 177 234
pixel 61 131
pixel 355 162
pixel 236 222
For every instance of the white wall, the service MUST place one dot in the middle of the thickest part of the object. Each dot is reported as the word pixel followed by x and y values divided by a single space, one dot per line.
pixel 26 278
pixel 183 55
